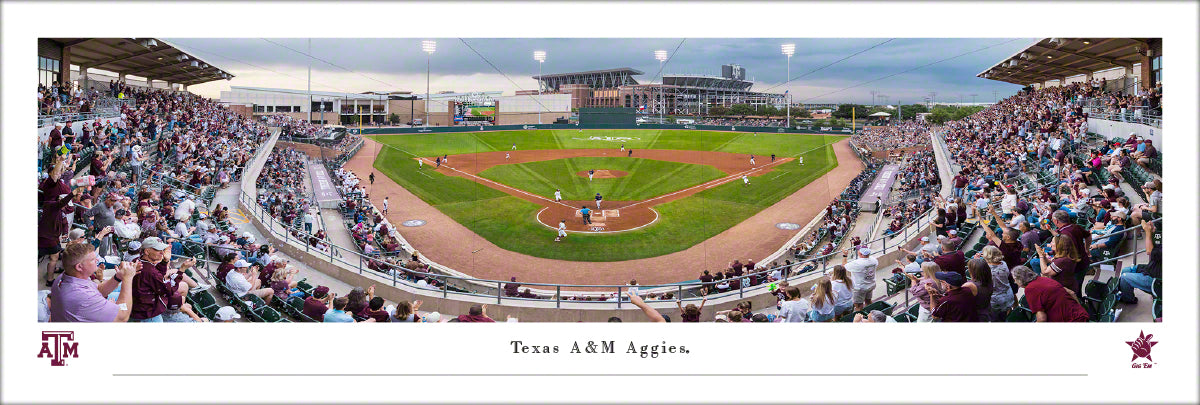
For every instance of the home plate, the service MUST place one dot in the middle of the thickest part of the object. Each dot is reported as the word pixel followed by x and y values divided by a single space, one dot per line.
pixel 596 224
pixel 612 213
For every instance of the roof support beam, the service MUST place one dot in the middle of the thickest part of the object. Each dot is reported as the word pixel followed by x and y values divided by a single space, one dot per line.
pixel 1110 61
pixel 127 57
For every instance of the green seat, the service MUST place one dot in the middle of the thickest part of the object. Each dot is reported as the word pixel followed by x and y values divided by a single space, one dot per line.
pixel 850 316
pixel 268 314
pixel 914 310
pixel 1020 315
pixel 905 318
pixel 303 285
pixel 1156 289
pixel 881 306
pixel 1106 318
pixel 1157 311
pixel 895 287
pixel 255 300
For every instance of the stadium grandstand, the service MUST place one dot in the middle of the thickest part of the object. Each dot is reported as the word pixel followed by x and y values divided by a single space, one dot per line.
pixel 157 205
pixel 676 94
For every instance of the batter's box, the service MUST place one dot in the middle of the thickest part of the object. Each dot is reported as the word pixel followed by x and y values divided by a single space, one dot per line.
pixel 612 213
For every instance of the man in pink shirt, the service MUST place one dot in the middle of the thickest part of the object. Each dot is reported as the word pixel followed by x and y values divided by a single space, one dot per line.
pixel 75 298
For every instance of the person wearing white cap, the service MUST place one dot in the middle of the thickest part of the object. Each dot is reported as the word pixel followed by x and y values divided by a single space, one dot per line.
pixel 244 281
pixel 227 314
pixel 954 239
pixel 862 274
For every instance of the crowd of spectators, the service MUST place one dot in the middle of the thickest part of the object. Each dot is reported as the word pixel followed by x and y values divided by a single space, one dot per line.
pixel 1094 94
pixel 742 122
pixel 907 134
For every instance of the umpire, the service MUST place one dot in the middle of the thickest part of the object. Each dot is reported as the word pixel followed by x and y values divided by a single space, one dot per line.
pixel 586 213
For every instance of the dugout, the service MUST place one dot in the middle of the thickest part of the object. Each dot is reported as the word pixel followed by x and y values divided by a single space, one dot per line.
pixel 607 116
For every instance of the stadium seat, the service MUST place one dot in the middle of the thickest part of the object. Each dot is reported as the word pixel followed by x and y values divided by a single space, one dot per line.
pixel 1156 288
pixel 268 314
pixel 881 306
pixel 1020 315
pixel 1157 311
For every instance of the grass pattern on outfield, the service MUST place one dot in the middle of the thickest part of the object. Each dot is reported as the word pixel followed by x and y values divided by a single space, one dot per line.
pixel 510 222
pixel 647 178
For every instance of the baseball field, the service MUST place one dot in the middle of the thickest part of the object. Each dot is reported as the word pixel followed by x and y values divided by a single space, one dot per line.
pixel 663 190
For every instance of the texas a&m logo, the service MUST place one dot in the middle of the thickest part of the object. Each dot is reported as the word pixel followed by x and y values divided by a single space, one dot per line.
pixel 1141 348
pixel 58 345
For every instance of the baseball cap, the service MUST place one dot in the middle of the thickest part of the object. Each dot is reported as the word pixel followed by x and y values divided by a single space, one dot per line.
pixel 246 234
pixel 864 252
pixel 924 239
pixel 76 233
pixel 175 302
pixel 155 243
pixel 951 278
pixel 135 245
pixel 227 313
pixel 940 237
pixel 241 264
pixel 320 291
pixel 953 232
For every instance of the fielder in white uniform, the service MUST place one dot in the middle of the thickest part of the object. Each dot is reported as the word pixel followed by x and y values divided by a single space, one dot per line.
pixel 562 230
pixel 745 181
pixel 557 195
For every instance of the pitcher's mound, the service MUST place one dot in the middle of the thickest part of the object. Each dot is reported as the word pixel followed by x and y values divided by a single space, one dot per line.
pixel 604 174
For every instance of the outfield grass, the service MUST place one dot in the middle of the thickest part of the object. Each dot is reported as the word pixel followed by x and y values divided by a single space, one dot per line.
pixel 647 178
pixel 511 222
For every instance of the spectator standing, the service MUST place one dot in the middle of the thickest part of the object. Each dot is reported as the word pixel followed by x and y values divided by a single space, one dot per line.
pixel 795 308
pixel 821 301
pixel 981 288
pixel 958 305
pixel 862 272
pixel 1003 289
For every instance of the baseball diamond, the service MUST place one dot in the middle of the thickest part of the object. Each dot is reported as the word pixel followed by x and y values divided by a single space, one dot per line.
pixel 681 190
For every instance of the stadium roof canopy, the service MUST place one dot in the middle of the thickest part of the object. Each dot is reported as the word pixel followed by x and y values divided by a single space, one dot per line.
pixel 707 82
pixel 596 79
pixel 151 58
pixel 1059 58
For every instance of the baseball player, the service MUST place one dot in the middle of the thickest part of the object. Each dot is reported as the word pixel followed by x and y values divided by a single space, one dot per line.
pixel 745 180
pixel 801 159
pixel 562 230
pixel 514 146
pixel 586 214
pixel 506 156
pixel 772 158
pixel 439 162
pixel 598 199
pixel 446 159
pixel 622 147
pixel 385 205
pixel 372 177
pixel 591 173
pixel 420 163
pixel 557 195
pixel 630 152
pixel 751 160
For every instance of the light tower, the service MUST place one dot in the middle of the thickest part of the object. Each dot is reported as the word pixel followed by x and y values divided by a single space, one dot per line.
pixel 661 55
pixel 429 47
pixel 540 57
pixel 789 50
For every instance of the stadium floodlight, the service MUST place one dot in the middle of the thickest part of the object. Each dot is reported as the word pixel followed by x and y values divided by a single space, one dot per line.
pixel 661 55
pixel 540 57
pixel 789 50
pixel 429 47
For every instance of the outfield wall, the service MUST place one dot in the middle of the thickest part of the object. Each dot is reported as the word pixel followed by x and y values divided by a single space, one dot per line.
pixel 485 128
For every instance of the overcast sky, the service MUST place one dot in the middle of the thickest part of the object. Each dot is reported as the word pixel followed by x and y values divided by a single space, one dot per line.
pixel 399 64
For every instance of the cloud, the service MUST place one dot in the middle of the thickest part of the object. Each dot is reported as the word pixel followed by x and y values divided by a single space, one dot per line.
pixel 491 64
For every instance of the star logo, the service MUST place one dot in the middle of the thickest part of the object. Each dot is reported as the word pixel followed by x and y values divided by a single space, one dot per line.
pixel 1141 346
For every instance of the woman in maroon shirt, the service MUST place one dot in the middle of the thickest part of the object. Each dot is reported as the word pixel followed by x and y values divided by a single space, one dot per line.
pixel 981 286
pixel 54 197
pixel 1062 267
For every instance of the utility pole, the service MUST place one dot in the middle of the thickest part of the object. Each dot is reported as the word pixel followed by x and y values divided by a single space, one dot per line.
pixel 310 81
pixel 873 92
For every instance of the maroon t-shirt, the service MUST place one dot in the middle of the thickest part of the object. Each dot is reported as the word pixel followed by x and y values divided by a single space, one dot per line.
pixel 1078 236
pixel 379 316
pixel 1012 254
pixel 957 305
pixel 1066 275
pixel 315 309
pixel 954 261
pixel 150 291
pixel 474 318
pixel 1046 295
